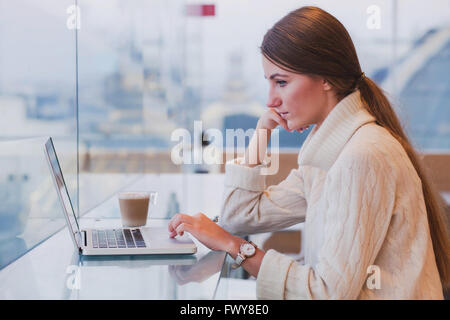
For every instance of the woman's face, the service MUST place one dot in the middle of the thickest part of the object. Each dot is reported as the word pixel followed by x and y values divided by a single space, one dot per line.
pixel 299 99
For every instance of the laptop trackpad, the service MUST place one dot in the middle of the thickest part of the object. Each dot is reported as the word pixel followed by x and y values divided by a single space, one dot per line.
pixel 160 237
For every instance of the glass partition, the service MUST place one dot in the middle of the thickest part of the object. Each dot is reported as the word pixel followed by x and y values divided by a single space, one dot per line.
pixel 37 98
pixel 130 65
pixel 29 208
pixel 419 77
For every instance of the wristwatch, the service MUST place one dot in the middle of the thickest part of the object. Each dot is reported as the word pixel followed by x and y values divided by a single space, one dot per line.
pixel 247 250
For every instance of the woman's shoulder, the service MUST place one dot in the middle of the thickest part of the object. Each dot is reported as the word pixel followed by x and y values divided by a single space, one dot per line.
pixel 373 135
pixel 374 146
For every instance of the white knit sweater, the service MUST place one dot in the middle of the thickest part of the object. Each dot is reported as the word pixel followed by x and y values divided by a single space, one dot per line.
pixel 362 203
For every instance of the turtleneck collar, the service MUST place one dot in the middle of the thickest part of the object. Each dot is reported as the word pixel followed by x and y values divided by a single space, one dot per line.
pixel 324 144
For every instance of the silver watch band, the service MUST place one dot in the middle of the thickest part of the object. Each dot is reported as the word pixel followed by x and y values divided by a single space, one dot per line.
pixel 239 259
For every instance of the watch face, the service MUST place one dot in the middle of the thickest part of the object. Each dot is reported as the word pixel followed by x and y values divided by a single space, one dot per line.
pixel 247 249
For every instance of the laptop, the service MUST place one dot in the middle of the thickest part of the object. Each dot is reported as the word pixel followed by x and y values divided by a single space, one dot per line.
pixel 117 241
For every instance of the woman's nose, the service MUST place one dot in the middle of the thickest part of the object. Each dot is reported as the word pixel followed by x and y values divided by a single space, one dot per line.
pixel 273 101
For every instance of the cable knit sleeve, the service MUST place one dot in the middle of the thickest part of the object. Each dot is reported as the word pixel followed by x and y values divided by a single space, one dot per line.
pixel 249 207
pixel 359 196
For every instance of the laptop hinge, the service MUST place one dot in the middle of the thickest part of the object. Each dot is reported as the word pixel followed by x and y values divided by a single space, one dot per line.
pixel 84 233
pixel 81 239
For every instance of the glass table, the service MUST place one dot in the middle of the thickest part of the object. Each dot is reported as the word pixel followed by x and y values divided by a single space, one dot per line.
pixel 55 270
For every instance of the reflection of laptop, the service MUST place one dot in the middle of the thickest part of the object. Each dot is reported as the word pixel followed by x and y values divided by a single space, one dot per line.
pixel 137 261
pixel 119 241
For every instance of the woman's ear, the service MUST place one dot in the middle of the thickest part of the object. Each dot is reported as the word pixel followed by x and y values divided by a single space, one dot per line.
pixel 326 85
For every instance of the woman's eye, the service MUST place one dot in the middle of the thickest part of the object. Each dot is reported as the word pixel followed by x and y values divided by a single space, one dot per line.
pixel 281 83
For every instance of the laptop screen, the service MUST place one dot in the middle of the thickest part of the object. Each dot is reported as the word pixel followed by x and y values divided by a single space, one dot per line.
pixel 63 194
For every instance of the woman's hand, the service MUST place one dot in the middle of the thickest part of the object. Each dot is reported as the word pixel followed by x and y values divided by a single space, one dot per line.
pixel 204 230
pixel 270 120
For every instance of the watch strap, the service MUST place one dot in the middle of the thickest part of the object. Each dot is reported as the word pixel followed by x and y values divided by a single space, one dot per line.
pixel 241 257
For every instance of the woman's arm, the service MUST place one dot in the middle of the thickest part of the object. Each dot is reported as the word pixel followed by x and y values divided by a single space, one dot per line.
pixel 256 151
pixel 252 264
pixel 250 206
pixel 214 237
pixel 254 155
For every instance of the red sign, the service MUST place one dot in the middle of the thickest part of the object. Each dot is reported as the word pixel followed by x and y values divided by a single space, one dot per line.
pixel 200 10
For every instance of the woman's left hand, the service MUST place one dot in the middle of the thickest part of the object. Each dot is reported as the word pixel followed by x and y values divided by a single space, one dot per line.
pixel 203 229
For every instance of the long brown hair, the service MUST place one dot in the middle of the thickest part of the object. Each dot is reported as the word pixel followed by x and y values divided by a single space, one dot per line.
pixel 311 41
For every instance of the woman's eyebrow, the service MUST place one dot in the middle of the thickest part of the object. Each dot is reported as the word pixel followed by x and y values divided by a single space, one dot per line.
pixel 277 75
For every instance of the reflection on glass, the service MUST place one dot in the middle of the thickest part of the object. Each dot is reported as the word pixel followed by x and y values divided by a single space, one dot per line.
pixel 207 266
pixel 148 277
pixel 29 208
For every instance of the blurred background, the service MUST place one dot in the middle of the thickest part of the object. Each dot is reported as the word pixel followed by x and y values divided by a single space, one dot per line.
pixel 111 81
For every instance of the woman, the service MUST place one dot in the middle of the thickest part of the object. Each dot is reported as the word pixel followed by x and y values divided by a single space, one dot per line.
pixel 359 187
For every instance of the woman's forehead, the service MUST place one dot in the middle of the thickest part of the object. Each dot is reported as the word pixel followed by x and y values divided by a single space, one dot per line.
pixel 271 70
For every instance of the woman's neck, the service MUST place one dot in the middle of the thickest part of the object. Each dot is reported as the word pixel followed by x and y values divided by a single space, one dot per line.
pixel 331 102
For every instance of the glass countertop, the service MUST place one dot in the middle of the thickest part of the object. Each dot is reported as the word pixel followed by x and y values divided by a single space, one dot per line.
pixel 55 270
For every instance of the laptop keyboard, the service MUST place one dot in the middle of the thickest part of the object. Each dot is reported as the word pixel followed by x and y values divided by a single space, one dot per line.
pixel 118 238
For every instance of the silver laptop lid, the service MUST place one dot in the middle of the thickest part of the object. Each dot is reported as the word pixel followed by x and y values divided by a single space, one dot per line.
pixel 63 194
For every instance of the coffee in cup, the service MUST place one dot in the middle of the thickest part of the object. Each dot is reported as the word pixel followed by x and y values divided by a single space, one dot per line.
pixel 134 207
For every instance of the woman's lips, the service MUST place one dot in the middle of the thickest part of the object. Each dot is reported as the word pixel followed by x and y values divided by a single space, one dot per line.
pixel 284 114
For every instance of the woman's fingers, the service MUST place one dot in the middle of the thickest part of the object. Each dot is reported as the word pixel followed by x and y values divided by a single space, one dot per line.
pixel 177 219
pixel 278 119
pixel 182 227
pixel 202 228
pixel 271 119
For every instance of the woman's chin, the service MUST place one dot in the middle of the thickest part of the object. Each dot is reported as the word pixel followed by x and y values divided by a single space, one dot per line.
pixel 300 128
pixel 295 126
